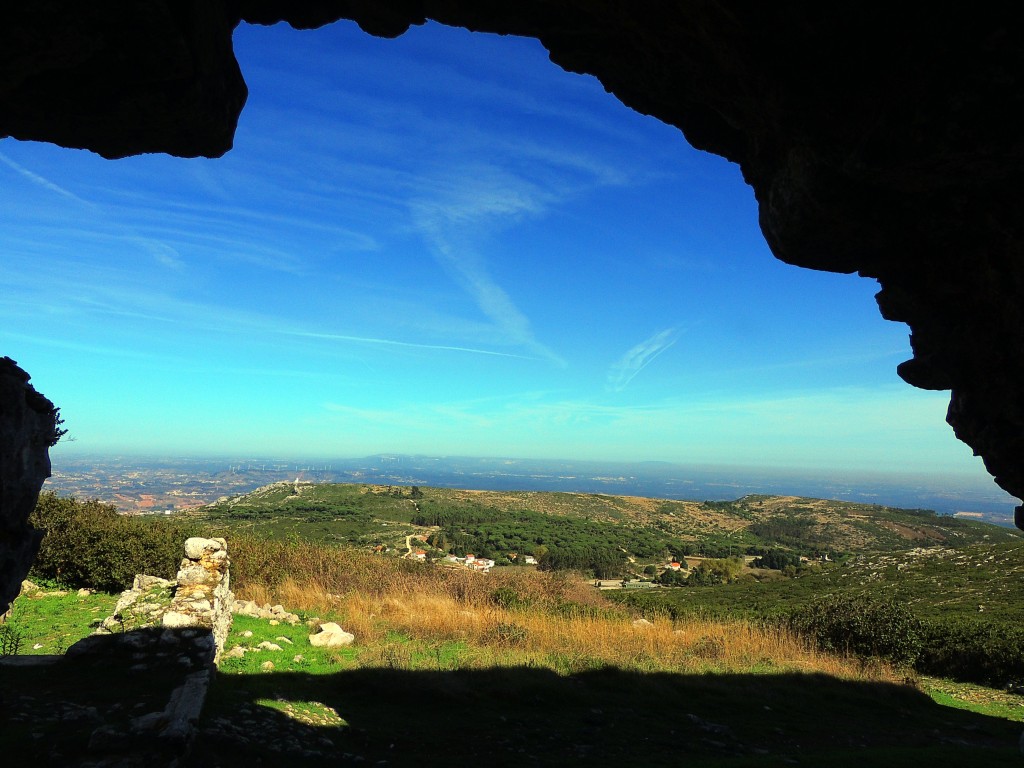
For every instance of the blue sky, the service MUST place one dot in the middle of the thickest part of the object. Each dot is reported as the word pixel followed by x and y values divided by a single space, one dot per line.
pixel 441 244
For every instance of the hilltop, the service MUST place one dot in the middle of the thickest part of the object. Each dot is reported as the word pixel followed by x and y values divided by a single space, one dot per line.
pixel 642 529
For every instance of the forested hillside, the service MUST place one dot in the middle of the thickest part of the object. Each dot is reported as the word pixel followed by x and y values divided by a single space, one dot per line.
pixel 605 535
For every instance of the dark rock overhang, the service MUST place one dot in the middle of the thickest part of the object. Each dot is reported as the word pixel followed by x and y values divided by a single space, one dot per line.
pixel 878 139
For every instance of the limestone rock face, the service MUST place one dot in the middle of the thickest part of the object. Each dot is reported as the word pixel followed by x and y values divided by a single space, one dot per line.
pixel 882 144
pixel 28 428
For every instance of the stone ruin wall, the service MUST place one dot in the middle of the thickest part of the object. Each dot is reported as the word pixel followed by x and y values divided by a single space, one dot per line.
pixel 203 596
pixel 189 616
pixel 178 624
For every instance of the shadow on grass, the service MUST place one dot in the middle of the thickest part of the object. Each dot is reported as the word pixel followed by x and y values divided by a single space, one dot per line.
pixel 530 716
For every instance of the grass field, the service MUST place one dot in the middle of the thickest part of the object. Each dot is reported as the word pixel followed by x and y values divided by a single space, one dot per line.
pixel 513 668
pixel 529 667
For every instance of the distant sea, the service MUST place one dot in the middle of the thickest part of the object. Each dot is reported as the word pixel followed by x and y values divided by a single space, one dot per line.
pixel 943 493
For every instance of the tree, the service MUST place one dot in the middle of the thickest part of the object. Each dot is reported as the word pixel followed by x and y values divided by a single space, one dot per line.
pixel 777 560
pixel 670 578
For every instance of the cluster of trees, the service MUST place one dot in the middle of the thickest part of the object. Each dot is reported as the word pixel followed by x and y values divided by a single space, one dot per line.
pixel 670 578
pixel 401 492
pixel 559 543
pixel 777 560
pixel 87 544
pixel 792 530
pixel 602 562
pixel 724 570
pixel 433 513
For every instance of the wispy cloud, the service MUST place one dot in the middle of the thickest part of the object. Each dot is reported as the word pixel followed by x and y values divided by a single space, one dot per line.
pixel 626 368
pixel 474 202
pixel 396 343
pixel 161 252
pixel 41 181
pixel 119 296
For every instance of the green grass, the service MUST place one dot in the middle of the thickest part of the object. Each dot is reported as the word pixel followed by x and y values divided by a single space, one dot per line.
pixel 313 660
pixel 312 713
pixel 417 702
pixel 604 717
pixel 975 698
pixel 47 622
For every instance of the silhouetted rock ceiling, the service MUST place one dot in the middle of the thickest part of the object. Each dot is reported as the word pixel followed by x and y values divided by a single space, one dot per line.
pixel 878 139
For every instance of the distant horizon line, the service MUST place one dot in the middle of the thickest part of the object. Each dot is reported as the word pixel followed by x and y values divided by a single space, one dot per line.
pixel 703 466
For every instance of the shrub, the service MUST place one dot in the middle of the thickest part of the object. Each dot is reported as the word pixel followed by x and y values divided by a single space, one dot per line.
pixel 723 570
pixel 506 634
pixel 509 598
pixel 863 626
pixel 10 640
pixel 670 578
pixel 87 544
pixel 973 651
pixel 776 560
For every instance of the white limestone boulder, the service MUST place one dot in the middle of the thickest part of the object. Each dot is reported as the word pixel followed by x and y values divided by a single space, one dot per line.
pixel 331 636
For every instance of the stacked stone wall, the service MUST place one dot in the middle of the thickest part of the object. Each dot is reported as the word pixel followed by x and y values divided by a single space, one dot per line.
pixel 202 596
pixel 189 617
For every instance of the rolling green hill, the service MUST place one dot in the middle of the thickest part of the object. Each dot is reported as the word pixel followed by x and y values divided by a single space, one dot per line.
pixel 637 530
pixel 983 582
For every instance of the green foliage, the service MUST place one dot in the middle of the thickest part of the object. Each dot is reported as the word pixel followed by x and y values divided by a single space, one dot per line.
pixel 670 578
pixel 330 513
pixel 87 544
pixel 10 640
pixel 862 626
pixel 510 598
pixel 973 650
pixel 944 589
pixel 603 562
pixel 569 543
pixel 723 570
pixel 776 560
pixel 792 530
pixel 58 430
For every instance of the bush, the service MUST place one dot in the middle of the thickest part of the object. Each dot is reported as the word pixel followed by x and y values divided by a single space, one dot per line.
pixel 509 598
pixel 87 544
pixel 776 560
pixel 723 570
pixel 506 634
pixel 670 578
pixel 973 651
pixel 862 626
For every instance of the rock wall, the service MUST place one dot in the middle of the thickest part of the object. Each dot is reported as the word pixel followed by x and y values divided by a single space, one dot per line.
pixel 203 596
pixel 189 617
pixel 160 625
pixel 28 428
pixel 877 141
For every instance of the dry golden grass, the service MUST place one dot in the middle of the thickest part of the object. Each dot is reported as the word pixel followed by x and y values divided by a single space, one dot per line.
pixel 514 616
